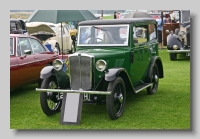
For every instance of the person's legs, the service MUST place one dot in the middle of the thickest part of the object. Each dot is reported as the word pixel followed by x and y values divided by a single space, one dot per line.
pixel 160 39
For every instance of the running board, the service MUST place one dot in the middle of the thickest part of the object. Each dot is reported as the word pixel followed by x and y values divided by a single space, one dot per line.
pixel 142 87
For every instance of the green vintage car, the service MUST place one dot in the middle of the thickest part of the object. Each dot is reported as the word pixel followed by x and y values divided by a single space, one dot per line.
pixel 112 59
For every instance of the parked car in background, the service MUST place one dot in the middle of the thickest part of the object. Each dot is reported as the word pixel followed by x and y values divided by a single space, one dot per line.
pixel 23 24
pixel 176 36
pixel 15 26
pixel 27 57
pixel 50 33
pixel 156 16
pixel 111 62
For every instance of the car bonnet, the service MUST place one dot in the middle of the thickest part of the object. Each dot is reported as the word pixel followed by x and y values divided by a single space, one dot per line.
pixel 36 27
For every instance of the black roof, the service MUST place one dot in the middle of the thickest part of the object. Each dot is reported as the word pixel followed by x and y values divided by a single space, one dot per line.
pixel 13 19
pixel 117 21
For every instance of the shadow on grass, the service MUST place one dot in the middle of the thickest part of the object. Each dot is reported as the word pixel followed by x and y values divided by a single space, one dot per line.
pixel 23 90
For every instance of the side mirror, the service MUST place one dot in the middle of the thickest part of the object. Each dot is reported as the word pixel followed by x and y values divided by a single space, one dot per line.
pixel 27 52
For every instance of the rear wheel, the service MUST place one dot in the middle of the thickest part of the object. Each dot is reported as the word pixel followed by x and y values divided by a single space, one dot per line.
pixel 153 77
pixel 50 101
pixel 116 101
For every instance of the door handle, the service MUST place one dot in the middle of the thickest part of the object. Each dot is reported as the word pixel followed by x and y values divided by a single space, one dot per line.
pixel 36 57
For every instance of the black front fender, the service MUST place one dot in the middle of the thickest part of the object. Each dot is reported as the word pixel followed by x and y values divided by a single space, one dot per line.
pixel 61 77
pixel 111 74
pixel 46 72
pixel 115 72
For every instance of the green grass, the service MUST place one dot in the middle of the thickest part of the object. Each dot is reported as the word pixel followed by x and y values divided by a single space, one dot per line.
pixel 169 108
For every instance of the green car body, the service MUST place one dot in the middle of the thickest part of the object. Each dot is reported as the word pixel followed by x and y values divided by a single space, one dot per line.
pixel 114 57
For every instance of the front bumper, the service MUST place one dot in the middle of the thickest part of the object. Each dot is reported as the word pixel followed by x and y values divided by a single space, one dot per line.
pixel 178 51
pixel 74 91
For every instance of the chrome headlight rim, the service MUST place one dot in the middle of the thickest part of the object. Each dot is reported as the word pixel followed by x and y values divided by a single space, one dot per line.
pixel 57 64
pixel 175 47
pixel 101 65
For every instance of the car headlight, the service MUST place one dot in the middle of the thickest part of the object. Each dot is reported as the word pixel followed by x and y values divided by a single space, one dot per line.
pixel 175 47
pixel 182 34
pixel 57 64
pixel 101 65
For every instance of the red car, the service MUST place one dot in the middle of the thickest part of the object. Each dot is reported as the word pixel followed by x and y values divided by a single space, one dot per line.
pixel 27 58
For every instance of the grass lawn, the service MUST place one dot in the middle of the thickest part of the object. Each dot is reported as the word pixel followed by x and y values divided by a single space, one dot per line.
pixel 169 108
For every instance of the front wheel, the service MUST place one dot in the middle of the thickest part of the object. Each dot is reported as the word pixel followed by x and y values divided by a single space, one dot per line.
pixel 116 101
pixel 153 77
pixel 50 101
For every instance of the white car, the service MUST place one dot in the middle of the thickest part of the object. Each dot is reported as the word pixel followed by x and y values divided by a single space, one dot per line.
pixel 50 33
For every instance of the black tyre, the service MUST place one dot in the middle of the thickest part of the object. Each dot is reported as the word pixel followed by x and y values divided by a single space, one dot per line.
pixel 50 101
pixel 153 77
pixel 173 56
pixel 116 101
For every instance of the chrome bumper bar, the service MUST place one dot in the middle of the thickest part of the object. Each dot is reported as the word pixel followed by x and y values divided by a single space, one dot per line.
pixel 74 91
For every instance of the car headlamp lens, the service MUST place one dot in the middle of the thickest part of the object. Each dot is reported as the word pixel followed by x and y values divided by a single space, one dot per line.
pixel 182 34
pixel 101 65
pixel 175 47
pixel 57 64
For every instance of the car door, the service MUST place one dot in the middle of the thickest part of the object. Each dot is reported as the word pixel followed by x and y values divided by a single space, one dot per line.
pixel 28 64
pixel 152 40
pixel 43 57
pixel 140 53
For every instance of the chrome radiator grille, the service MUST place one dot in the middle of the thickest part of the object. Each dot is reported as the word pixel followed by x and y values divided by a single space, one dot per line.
pixel 80 67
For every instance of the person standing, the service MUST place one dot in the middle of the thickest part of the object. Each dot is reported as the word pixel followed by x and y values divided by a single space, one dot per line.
pixel 172 17
pixel 118 15
pixel 159 28
pixel 115 14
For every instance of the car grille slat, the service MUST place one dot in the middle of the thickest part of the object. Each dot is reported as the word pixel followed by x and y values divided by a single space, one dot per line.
pixel 80 72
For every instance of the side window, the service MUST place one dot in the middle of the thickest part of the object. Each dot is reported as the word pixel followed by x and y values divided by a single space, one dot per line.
pixel 37 46
pixel 152 32
pixel 140 34
pixel 12 26
pixel 23 44
pixel 11 47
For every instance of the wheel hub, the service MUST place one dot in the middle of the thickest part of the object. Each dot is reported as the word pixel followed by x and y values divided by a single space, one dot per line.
pixel 121 98
pixel 156 78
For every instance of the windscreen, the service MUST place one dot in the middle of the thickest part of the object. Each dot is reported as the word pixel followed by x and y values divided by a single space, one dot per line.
pixel 103 35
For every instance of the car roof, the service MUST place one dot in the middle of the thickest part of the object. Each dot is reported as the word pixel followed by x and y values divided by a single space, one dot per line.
pixel 21 35
pixel 13 19
pixel 117 21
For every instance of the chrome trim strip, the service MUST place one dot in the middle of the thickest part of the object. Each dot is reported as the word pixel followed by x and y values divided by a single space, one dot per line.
pixel 143 88
pixel 74 91
pixel 16 65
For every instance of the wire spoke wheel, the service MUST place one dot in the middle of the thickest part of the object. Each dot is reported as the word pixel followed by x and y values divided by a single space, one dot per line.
pixel 116 101
pixel 153 77
pixel 50 101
